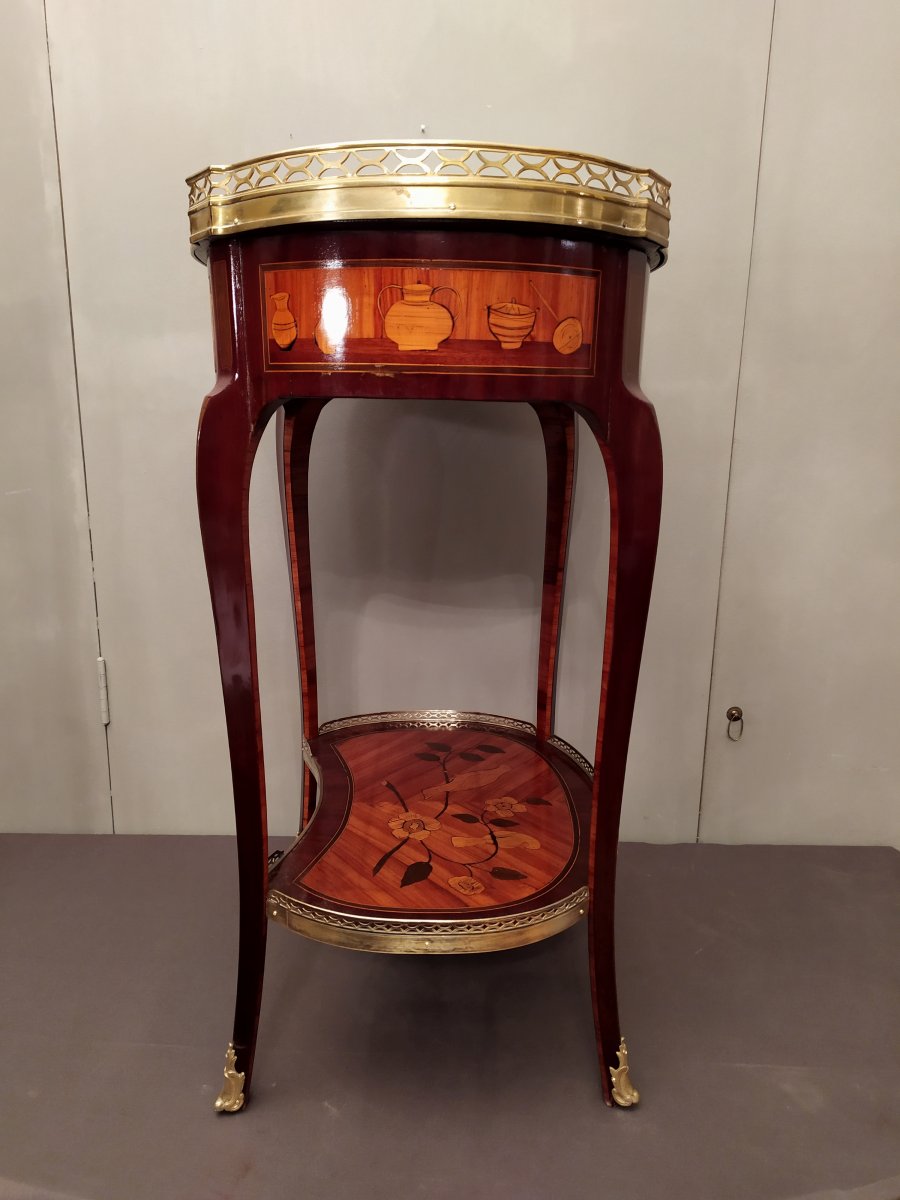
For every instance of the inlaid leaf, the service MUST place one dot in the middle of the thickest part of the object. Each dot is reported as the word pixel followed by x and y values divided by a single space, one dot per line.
pixel 441 746
pixel 536 800
pixel 467 817
pixel 503 823
pixel 509 840
pixel 460 840
pixel 415 873
pixel 486 749
pixel 426 757
pixel 506 873
pixel 385 857
pixel 465 781
pixel 470 757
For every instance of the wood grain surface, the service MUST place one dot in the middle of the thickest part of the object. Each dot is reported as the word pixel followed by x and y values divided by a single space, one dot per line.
pixel 558 428
pixel 445 822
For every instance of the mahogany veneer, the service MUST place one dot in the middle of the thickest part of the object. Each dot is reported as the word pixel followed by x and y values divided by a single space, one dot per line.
pixel 433 832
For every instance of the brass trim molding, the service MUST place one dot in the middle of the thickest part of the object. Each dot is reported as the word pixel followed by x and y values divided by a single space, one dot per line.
pixel 393 935
pixel 445 718
pixel 575 755
pixel 364 181
pixel 231 1097
pixel 428 718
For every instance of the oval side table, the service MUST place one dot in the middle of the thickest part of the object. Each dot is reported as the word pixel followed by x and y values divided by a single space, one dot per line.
pixel 463 272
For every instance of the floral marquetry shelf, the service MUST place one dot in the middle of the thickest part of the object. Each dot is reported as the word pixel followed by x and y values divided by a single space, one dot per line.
pixel 443 833
pixel 465 272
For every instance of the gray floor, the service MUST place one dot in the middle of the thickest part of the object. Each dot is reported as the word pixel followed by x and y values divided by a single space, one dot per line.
pixel 759 988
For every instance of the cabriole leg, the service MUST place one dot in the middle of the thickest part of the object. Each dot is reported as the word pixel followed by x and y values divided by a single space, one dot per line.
pixel 634 468
pixel 558 427
pixel 299 425
pixel 226 446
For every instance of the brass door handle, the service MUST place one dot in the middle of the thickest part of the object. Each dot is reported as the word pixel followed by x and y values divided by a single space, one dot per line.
pixel 735 718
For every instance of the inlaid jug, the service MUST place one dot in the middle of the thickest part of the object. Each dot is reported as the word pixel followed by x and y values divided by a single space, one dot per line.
pixel 417 321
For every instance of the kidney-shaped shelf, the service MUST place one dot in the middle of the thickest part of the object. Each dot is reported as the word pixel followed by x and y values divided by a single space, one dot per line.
pixel 437 832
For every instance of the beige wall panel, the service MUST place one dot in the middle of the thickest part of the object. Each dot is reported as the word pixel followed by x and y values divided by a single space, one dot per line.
pixel 809 637
pixel 52 744
pixel 428 583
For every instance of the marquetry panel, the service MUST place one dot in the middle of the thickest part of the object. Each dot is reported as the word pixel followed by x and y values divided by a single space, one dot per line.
pixel 430 316
pixel 459 821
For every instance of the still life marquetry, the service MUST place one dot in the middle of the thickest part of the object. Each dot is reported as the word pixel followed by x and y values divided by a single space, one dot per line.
pixel 430 316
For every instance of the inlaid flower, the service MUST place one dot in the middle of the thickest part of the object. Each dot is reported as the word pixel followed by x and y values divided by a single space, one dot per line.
pixel 504 807
pixel 505 840
pixel 411 825
pixel 466 885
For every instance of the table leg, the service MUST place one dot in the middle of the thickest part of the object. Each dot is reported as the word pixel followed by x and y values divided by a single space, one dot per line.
pixel 558 427
pixel 633 459
pixel 299 425
pixel 226 446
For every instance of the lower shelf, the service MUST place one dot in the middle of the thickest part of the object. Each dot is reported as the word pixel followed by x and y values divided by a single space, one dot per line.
pixel 437 833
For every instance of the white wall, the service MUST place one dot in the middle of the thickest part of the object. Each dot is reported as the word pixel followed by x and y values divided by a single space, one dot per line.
pixel 809 630
pixel 146 94
pixel 445 612
pixel 53 771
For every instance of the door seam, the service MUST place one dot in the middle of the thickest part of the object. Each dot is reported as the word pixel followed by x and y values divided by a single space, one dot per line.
pixel 737 393
pixel 87 502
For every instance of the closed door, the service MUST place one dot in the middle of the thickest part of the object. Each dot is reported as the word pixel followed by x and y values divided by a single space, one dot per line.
pixel 428 579
pixel 808 640
pixel 55 777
